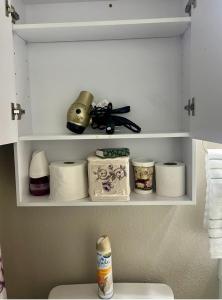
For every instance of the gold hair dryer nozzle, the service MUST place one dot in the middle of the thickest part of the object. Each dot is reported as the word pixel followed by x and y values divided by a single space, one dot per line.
pixel 78 116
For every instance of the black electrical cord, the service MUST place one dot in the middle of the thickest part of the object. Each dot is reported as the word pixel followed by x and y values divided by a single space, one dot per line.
pixel 104 118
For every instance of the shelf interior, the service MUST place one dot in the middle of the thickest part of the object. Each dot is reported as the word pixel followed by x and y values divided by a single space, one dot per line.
pixel 153 92
pixel 102 30
pixel 160 149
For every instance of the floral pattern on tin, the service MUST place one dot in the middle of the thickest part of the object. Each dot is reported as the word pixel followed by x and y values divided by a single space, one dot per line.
pixel 109 175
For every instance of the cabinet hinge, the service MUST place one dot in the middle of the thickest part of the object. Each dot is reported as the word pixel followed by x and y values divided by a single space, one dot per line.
pixel 190 107
pixel 10 10
pixel 190 4
pixel 17 111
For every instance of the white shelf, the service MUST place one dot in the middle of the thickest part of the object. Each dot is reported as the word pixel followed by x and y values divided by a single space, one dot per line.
pixel 102 30
pixel 101 136
pixel 135 200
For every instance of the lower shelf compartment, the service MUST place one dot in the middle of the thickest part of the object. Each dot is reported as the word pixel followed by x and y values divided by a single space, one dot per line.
pixel 135 200
pixel 159 149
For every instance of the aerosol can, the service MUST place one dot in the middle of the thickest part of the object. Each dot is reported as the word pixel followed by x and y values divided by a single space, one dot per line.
pixel 104 268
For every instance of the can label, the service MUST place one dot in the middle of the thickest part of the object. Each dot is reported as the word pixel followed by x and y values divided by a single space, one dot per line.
pixel 104 275
pixel 143 178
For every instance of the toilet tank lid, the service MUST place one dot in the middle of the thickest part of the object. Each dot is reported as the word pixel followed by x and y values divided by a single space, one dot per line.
pixel 121 291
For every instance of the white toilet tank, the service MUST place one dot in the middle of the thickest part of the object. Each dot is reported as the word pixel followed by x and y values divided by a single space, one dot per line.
pixel 121 291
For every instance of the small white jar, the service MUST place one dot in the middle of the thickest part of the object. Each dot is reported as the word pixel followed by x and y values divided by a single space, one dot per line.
pixel 143 175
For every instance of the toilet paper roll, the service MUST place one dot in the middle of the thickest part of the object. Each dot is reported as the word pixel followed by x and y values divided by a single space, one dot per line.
pixel 170 179
pixel 68 180
pixel 39 166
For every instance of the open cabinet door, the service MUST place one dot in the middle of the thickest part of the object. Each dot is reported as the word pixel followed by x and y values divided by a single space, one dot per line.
pixel 8 127
pixel 206 70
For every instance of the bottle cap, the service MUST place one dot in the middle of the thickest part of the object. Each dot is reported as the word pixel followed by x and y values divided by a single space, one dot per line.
pixel 103 244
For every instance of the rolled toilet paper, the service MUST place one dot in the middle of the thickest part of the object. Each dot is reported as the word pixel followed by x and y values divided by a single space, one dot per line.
pixel 68 180
pixel 170 179
pixel 39 166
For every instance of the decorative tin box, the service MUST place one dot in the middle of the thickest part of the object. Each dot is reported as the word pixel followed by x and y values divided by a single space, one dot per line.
pixel 108 178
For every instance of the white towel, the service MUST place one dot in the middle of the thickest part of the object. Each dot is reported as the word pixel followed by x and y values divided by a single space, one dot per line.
pixel 215 247
pixel 215 164
pixel 215 188
pixel 215 212
pixel 215 232
pixel 215 173
pixel 214 154
pixel 215 224
pixel 213 207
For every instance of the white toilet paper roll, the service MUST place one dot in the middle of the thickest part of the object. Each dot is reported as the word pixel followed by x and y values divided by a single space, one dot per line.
pixel 68 180
pixel 39 166
pixel 170 179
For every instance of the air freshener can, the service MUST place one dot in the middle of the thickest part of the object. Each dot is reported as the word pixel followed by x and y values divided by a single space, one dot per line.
pixel 104 268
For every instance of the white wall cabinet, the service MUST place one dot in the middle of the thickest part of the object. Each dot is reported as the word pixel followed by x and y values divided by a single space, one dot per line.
pixel 206 71
pixel 147 54
pixel 9 128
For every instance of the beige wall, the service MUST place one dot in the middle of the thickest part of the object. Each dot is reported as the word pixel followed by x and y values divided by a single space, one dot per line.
pixel 44 247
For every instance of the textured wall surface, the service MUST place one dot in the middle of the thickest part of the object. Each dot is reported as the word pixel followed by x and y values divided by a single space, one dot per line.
pixel 44 247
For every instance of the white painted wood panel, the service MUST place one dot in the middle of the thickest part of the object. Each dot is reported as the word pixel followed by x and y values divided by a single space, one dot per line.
pixel 186 80
pixel 22 154
pixel 100 10
pixel 165 149
pixel 145 74
pixel 102 30
pixel 189 147
pixel 8 128
pixel 22 85
pixel 206 70
pixel 135 200
pixel 115 136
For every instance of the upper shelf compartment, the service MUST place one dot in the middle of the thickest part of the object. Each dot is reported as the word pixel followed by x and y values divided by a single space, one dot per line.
pixel 102 30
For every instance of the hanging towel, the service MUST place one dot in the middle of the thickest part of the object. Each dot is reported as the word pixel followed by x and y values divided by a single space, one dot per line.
pixel 3 294
pixel 214 154
pixel 215 173
pixel 213 207
pixel 215 164
pixel 215 224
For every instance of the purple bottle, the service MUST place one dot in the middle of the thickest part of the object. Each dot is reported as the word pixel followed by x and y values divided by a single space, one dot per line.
pixel 39 174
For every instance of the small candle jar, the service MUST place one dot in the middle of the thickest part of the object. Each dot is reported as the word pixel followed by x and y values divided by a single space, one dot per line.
pixel 39 186
pixel 143 175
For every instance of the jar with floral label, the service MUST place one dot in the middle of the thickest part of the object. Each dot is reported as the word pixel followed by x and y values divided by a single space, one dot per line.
pixel 143 174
